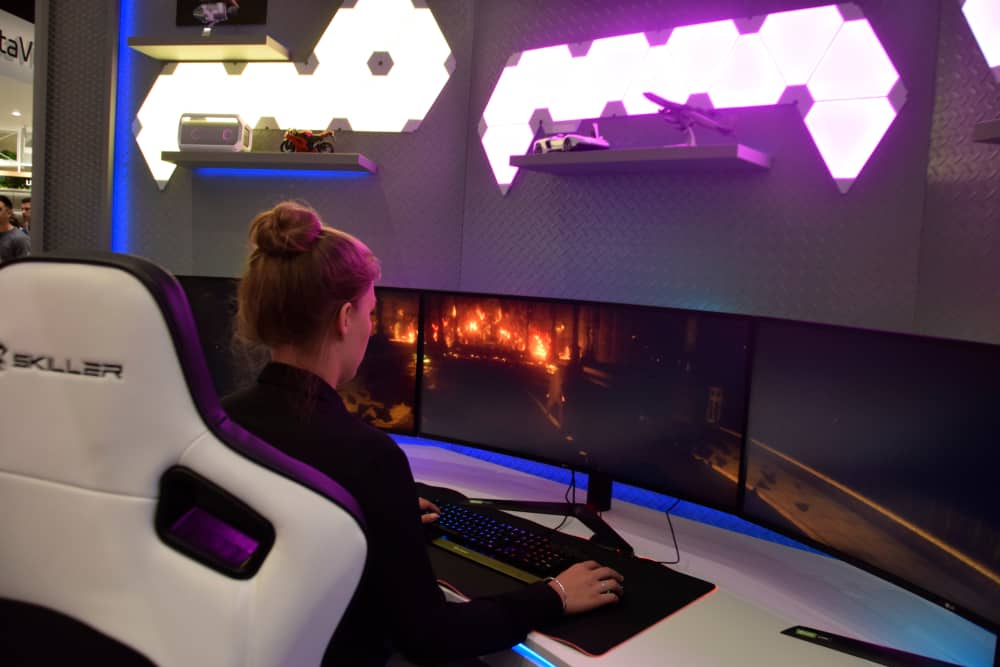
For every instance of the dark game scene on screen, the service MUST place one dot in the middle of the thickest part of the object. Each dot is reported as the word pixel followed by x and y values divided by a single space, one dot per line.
pixel 650 396
pixel 213 305
pixel 384 391
pixel 885 448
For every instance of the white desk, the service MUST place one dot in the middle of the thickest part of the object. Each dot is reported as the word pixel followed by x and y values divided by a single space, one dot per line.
pixel 763 588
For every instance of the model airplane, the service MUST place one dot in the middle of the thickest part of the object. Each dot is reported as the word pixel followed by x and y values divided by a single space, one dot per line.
pixel 684 117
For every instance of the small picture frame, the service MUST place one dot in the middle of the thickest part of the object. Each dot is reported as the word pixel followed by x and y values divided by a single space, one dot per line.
pixel 221 12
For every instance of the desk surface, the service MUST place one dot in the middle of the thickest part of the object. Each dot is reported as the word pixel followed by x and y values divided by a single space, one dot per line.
pixel 763 588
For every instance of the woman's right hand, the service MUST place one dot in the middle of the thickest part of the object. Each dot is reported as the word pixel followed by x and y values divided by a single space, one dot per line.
pixel 588 585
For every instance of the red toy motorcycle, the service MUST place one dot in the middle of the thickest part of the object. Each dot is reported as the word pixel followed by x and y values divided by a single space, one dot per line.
pixel 307 141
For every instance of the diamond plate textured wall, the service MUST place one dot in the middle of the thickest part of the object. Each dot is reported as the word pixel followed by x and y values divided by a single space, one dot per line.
pixel 783 242
pixel 960 252
pixel 77 80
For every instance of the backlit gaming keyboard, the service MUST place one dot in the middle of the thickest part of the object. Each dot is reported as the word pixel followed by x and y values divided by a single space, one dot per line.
pixel 491 541
pixel 478 550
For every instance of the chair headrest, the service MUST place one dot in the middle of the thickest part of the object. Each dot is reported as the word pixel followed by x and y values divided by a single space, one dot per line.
pixel 103 353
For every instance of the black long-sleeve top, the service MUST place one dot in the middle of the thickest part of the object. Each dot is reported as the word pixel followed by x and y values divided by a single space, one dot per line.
pixel 398 605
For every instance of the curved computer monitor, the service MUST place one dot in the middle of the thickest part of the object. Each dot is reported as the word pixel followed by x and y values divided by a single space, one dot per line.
pixel 384 391
pixel 883 449
pixel 653 397
pixel 213 306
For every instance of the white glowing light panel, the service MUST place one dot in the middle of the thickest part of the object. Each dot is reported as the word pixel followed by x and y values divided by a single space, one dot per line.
pixel 827 58
pixel 379 67
pixel 984 19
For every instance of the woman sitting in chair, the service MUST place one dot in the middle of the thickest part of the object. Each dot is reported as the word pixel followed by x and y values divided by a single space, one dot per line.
pixel 307 294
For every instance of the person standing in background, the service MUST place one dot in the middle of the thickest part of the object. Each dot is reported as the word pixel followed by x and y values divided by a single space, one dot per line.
pixel 13 242
pixel 26 215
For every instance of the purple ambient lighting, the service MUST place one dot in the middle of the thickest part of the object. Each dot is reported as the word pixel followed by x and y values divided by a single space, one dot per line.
pixel 592 78
pixel 845 153
pixel 984 19
pixel 798 39
pixel 855 66
pixel 750 78
pixel 687 64
pixel 214 538
pixel 831 51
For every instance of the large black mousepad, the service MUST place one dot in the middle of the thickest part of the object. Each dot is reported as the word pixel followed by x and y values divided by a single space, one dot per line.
pixel 652 592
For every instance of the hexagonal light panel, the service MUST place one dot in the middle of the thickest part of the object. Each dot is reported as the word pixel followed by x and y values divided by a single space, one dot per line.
pixel 798 39
pixel 984 19
pixel 749 79
pixel 846 132
pixel 687 64
pixel 499 140
pixel 829 55
pixel 349 81
pixel 855 66
pixel 585 82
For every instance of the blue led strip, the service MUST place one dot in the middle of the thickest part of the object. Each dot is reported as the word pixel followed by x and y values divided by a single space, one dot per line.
pixel 624 492
pixel 286 172
pixel 527 653
pixel 122 130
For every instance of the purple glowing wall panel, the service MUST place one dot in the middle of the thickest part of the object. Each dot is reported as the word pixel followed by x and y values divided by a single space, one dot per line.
pixel 829 58
pixel 984 19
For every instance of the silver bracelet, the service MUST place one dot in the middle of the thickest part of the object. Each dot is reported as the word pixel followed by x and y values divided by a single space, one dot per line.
pixel 563 594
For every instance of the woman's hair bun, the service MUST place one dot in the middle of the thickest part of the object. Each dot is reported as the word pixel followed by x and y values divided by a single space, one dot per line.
pixel 287 229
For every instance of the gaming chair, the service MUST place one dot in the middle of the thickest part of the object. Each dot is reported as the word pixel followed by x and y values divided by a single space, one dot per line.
pixel 139 524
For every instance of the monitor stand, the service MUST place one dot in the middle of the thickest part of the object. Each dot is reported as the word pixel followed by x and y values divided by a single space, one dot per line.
pixel 598 500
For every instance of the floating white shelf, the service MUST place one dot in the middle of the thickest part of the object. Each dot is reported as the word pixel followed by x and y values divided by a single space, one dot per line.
pixel 987 132
pixel 290 161
pixel 214 48
pixel 644 159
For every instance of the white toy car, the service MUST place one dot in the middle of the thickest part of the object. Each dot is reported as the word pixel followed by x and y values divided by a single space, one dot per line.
pixel 570 142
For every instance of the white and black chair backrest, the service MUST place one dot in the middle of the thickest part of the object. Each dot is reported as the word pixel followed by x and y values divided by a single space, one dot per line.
pixel 130 506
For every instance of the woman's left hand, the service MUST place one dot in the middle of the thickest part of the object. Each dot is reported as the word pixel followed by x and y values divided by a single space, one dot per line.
pixel 429 512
